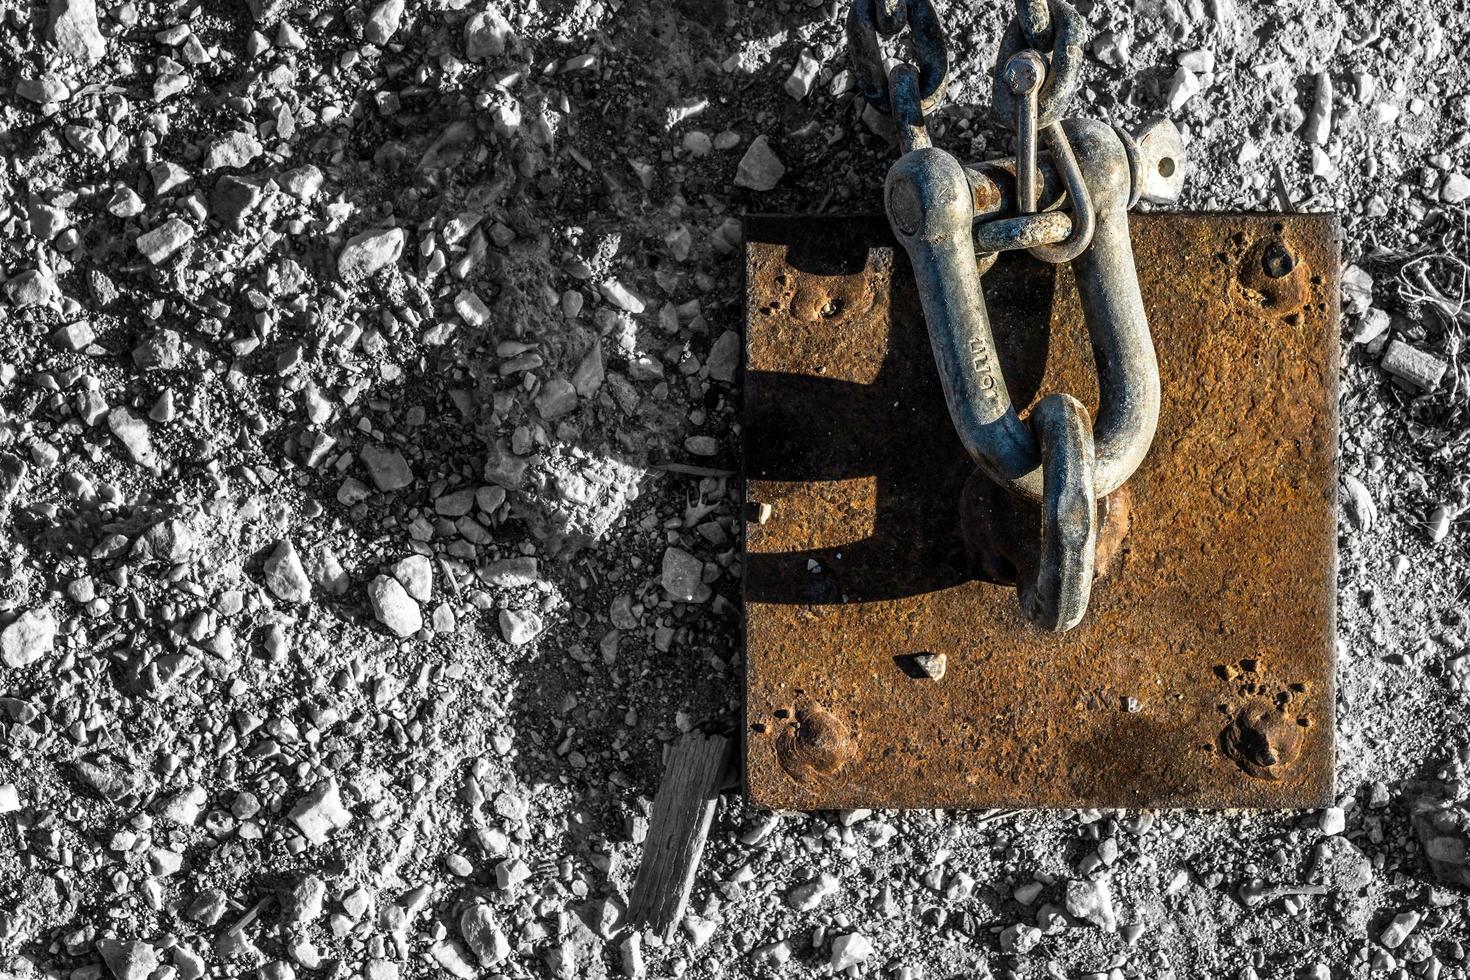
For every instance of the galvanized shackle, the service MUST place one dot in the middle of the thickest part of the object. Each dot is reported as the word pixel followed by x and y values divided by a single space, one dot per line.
pixel 1064 459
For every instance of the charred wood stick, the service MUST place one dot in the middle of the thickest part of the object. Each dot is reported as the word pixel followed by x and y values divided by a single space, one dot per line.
pixel 682 812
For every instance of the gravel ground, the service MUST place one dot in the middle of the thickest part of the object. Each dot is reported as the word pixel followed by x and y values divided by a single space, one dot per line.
pixel 352 362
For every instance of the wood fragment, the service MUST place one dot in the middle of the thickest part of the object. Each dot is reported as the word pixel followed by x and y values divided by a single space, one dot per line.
pixel 682 812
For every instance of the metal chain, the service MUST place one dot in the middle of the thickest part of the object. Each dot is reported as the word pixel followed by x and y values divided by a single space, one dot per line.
pixel 1059 456
pixel 868 21
pixel 1024 76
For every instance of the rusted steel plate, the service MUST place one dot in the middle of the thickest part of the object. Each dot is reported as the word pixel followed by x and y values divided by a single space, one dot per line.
pixel 1202 674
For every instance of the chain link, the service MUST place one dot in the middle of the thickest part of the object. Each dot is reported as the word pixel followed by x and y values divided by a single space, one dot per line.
pixel 1058 455
pixel 869 21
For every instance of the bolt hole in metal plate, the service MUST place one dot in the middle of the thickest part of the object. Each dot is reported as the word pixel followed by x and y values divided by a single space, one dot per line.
pixel 881 673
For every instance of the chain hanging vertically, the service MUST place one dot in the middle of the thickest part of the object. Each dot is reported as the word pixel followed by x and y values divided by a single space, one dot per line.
pixel 1070 206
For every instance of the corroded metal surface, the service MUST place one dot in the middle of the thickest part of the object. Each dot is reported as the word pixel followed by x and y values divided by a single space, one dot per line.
pixel 1202 674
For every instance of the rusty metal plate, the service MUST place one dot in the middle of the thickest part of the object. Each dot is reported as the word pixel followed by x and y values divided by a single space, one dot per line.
pixel 1202 675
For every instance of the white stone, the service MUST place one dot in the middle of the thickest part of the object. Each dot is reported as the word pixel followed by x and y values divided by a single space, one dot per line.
pixel 850 950
pixel 383 22
pixel 1183 86
pixel 1456 188
pixel 451 956
pixel 1092 901
pixel 29 638
pixel 805 897
pixel 483 935
pixel 760 169
pixel 72 26
pixel 416 573
pixel 699 929
pixel 320 812
pixel 284 575
pixel 393 607
pixel 132 432
pixel 369 252
pixel 162 242
pixel 1394 934
pixel 803 74
pixel 520 626
pixel 232 151
pixel 1332 821
pixel 1317 129
pixel 620 296
pixel 486 35
pixel 9 798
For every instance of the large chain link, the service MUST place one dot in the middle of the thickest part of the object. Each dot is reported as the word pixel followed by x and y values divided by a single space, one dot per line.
pixel 869 21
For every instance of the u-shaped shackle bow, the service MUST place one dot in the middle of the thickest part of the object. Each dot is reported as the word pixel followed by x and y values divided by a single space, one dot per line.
pixel 1071 207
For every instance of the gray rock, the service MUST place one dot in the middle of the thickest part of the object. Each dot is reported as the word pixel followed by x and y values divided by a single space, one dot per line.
pixel 13 472
pixel 232 152
pixel 367 253
pixel 805 897
pixel 416 574
pixel 72 26
pixel 556 398
pixel 284 575
pixel 383 22
pixel 302 183
pixel 32 288
pixel 128 960
pixel 132 432
pixel 387 467
pixel 682 574
pixel 1092 901
pixel 301 903
pixel 394 607
pixel 483 935
pixel 848 950
pixel 1317 129
pixel 29 638
pixel 45 89
pixel 162 242
pixel 760 169
pixel 74 336
pixel 1442 821
pixel 724 357
pixel 171 541
pixel 520 626
pixel 233 198
pixel 1456 188
pixel 486 35
pixel 510 572
pixel 326 571
pixel 803 75
pixel 1357 503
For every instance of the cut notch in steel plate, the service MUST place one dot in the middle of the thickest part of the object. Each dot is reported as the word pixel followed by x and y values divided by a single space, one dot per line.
pixel 1202 675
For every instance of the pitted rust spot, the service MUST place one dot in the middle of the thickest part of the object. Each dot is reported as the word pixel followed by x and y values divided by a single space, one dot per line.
pixel 815 744
pixel 1272 275
pixel 832 298
pixel 1264 738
